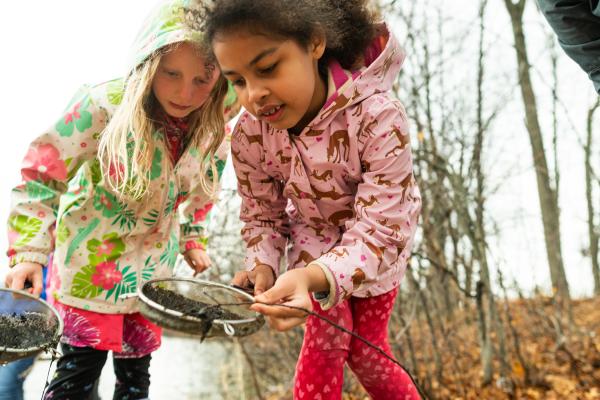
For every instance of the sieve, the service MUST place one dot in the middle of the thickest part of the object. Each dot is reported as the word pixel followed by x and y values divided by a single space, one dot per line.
pixel 222 310
pixel 15 305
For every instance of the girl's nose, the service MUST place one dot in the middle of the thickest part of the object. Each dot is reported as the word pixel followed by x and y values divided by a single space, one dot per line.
pixel 186 91
pixel 257 92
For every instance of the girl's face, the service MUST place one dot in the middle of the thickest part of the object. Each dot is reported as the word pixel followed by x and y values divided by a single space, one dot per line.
pixel 277 81
pixel 183 81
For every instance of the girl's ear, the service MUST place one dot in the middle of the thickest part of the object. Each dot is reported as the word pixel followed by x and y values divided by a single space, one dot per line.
pixel 318 44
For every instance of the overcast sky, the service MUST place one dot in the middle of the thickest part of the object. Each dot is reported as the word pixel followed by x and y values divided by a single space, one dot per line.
pixel 49 49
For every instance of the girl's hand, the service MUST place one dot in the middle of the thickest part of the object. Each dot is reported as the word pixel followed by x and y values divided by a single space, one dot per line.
pixel 292 289
pixel 197 259
pixel 26 272
pixel 260 278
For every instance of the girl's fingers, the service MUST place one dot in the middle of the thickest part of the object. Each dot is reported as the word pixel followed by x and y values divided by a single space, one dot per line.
pixel 241 279
pixel 278 311
pixel 194 265
pixel 206 260
pixel 17 282
pixel 284 324
pixel 280 318
pixel 38 286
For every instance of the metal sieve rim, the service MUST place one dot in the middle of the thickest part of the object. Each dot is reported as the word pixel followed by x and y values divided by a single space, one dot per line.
pixel 187 317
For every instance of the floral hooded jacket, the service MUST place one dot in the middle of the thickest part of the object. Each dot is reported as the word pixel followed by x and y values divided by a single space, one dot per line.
pixel 342 192
pixel 104 247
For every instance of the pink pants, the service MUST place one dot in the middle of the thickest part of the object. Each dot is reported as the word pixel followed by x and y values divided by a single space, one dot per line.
pixel 320 368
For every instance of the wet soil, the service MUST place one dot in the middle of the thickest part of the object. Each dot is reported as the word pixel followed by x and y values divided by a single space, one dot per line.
pixel 25 331
pixel 177 302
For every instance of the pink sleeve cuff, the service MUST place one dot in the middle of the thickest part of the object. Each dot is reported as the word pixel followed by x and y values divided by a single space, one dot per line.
pixel 192 244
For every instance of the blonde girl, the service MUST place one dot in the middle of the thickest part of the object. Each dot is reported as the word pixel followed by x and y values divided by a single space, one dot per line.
pixel 115 190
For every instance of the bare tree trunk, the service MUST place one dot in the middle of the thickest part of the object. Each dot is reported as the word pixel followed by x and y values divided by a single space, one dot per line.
pixel 479 244
pixel 547 196
pixel 593 229
pixel 484 337
pixel 480 236
pixel 515 335
pixel 437 357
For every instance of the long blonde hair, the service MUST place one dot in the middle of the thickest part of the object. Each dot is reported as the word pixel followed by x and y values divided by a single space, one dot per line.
pixel 127 144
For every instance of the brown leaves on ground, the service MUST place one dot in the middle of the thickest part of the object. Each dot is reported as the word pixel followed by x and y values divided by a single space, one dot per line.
pixel 560 363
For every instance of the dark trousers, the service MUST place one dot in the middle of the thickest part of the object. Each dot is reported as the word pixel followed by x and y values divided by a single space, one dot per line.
pixel 79 368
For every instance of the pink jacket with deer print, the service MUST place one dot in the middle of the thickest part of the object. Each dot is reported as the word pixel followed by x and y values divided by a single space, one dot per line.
pixel 340 194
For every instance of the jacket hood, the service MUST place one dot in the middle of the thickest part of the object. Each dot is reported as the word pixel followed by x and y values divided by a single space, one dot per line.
pixel 165 25
pixel 382 62
pixel 170 22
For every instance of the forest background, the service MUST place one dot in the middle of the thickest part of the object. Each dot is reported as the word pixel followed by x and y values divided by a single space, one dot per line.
pixel 501 300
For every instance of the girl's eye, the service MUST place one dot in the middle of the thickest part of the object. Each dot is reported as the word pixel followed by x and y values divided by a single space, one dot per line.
pixel 268 69
pixel 172 74
pixel 238 82
pixel 199 81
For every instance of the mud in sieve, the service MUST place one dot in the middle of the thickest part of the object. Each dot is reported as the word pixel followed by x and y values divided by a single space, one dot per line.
pixel 28 326
pixel 203 308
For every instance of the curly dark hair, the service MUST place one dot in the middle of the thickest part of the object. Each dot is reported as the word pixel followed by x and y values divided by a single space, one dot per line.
pixel 346 24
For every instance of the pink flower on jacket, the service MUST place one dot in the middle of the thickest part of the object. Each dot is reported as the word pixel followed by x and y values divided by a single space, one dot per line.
pixel 200 214
pixel 43 163
pixel 71 116
pixel 107 275
pixel 106 248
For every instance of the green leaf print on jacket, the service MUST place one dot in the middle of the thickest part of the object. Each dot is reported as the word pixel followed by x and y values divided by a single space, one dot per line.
pixel 92 281
pixel 126 217
pixel 156 164
pixel 220 167
pixel 108 249
pixel 124 282
pixel 22 229
pixel 82 286
pixel 80 236
pixel 38 191
pixel 169 256
pixel 103 272
pixel 148 270
pixel 173 200
pixel 151 218
pixel 170 199
pixel 111 207
pixel 76 193
pixel 77 117
pixel 106 202
pixel 62 233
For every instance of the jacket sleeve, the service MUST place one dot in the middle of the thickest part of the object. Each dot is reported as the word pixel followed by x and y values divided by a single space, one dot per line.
pixel 577 25
pixel 386 209
pixel 51 161
pixel 262 212
pixel 195 210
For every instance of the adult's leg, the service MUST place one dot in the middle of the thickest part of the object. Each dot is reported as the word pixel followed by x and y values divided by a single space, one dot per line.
pixel 12 376
pixel 383 379
pixel 77 370
pixel 320 367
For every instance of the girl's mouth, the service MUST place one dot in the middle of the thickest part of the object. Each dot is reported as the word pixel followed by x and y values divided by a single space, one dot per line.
pixel 271 114
pixel 178 107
